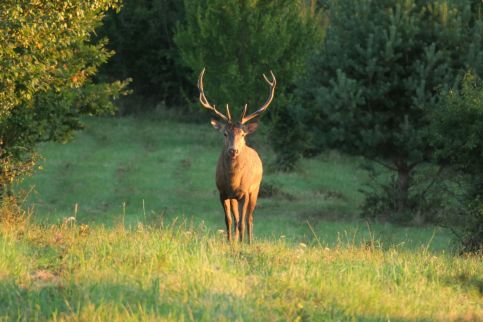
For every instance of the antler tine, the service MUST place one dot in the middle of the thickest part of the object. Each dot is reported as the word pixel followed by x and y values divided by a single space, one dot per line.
pixel 272 84
pixel 228 113
pixel 245 108
pixel 204 101
pixel 273 77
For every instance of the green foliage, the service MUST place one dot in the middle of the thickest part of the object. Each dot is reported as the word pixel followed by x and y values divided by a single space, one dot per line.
pixel 238 41
pixel 288 134
pixel 47 61
pixel 457 126
pixel 141 34
pixel 380 71
pixel 432 195
pixel 43 47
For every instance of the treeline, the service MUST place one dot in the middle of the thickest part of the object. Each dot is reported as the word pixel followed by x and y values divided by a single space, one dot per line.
pixel 395 81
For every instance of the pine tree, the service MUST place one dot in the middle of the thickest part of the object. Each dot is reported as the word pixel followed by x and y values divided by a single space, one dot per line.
pixel 457 128
pixel 379 72
pixel 237 41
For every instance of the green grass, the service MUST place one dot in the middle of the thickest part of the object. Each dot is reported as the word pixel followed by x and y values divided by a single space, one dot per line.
pixel 136 168
pixel 146 242
pixel 177 272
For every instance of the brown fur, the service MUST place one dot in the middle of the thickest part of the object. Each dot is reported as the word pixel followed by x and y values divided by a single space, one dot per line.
pixel 238 179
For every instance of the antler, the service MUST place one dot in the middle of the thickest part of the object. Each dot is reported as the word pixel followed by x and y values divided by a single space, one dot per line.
pixel 272 84
pixel 205 102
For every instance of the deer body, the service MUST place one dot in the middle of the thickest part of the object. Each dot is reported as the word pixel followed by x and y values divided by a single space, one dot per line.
pixel 239 170
pixel 238 181
pixel 236 177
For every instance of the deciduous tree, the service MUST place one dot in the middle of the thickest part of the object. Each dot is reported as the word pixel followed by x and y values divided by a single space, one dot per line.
pixel 47 61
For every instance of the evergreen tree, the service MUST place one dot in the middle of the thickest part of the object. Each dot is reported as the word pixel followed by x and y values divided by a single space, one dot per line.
pixel 457 129
pixel 379 72
pixel 237 41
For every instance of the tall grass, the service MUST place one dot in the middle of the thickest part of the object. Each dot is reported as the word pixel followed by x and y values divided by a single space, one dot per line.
pixel 180 272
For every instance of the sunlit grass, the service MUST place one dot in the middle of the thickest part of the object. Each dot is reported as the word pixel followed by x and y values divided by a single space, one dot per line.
pixel 181 272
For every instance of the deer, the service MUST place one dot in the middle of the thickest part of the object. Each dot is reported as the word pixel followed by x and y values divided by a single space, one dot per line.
pixel 239 170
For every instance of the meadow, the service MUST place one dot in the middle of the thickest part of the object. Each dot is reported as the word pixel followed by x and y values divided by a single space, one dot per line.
pixel 146 239
pixel 156 169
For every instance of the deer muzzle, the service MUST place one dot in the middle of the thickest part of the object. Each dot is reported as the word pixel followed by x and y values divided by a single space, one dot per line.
pixel 233 152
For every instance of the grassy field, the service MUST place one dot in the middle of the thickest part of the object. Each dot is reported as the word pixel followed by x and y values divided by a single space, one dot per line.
pixel 146 241
pixel 153 169
pixel 80 273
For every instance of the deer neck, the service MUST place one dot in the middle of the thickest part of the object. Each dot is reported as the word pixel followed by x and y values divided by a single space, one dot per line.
pixel 232 164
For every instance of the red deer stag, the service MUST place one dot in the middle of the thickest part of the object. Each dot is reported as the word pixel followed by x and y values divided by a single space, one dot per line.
pixel 239 170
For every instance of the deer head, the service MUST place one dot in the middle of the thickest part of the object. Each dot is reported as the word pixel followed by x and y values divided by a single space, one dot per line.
pixel 235 133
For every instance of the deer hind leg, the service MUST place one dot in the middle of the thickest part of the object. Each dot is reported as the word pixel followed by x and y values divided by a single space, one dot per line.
pixel 234 208
pixel 252 202
pixel 242 206
pixel 226 207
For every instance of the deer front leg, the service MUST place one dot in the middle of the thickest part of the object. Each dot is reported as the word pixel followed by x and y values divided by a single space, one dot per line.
pixel 251 208
pixel 242 206
pixel 226 207
pixel 234 208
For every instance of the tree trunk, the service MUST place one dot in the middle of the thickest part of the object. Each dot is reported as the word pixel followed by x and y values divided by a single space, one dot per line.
pixel 403 178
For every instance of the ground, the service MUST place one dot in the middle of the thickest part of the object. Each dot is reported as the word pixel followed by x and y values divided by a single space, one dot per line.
pixel 145 240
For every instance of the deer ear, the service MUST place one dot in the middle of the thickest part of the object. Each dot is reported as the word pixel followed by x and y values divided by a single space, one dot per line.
pixel 250 128
pixel 217 125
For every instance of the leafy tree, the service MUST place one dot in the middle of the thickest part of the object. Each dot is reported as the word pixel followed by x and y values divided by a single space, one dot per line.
pixel 141 34
pixel 457 127
pixel 47 62
pixel 237 41
pixel 379 72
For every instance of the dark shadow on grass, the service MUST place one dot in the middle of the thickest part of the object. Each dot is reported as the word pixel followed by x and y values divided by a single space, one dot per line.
pixel 467 283
pixel 45 301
